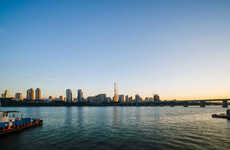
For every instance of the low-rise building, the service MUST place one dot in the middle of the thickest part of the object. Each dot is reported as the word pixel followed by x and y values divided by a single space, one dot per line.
pixel 98 99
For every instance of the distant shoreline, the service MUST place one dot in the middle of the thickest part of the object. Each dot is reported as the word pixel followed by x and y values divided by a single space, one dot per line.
pixel 13 103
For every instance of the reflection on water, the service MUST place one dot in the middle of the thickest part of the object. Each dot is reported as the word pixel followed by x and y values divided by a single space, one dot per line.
pixel 156 115
pixel 106 128
pixel 80 117
pixel 68 116
pixel 115 119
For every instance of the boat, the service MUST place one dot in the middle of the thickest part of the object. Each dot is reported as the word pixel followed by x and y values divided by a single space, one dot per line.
pixel 13 121
pixel 222 115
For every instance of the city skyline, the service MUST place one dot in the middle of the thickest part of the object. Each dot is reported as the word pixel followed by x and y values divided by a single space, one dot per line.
pixel 77 93
pixel 175 49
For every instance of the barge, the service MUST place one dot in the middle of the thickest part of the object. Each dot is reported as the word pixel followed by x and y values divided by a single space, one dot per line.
pixel 225 116
pixel 13 121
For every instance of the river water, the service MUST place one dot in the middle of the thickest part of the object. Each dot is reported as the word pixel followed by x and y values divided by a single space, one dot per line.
pixel 113 128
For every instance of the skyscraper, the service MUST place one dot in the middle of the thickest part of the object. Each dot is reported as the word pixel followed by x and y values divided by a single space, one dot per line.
pixel 18 96
pixel 61 98
pixel 121 99
pixel 138 99
pixel 30 94
pixel 6 94
pixel 80 95
pixel 156 98
pixel 115 98
pixel 50 97
pixel 38 94
pixel 126 98
pixel 130 99
pixel 68 95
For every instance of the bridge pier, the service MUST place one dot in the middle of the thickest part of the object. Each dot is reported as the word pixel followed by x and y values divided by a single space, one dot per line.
pixel 202 103
pixel 225 103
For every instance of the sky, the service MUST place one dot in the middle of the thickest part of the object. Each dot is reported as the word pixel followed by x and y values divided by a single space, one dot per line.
pixel 177 49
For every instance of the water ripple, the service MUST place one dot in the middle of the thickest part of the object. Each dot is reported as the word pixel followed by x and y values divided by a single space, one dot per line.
pixel 110 128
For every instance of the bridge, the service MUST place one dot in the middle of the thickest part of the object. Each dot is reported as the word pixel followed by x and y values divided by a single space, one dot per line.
pixel 203 102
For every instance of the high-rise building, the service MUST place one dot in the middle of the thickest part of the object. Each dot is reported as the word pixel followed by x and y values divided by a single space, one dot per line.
pixel 6 94
pixel 156 98
pixel 130 99
pixel 30 94
pixel 38 94
pixel 50 97
pixel 61 98
pixel 115 98
pixel 138 99
pixel 69 96
pixel 121 99
pixel 108 100
pixel 80 95
pixel 18 96
pixel 127 98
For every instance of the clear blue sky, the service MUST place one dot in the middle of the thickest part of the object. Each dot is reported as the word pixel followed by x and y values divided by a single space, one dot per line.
pixel 176 48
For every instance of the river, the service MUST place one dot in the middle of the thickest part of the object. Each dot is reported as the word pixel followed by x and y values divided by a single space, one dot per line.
pixel 123 128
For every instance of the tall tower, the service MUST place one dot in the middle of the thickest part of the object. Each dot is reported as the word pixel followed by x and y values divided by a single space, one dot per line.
pixel 18 96
pixel 69 96
pixel 6 94
pixel 38 94
pixel 30 94
pixel 115 98
pixel 80 95
pixel 156 98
